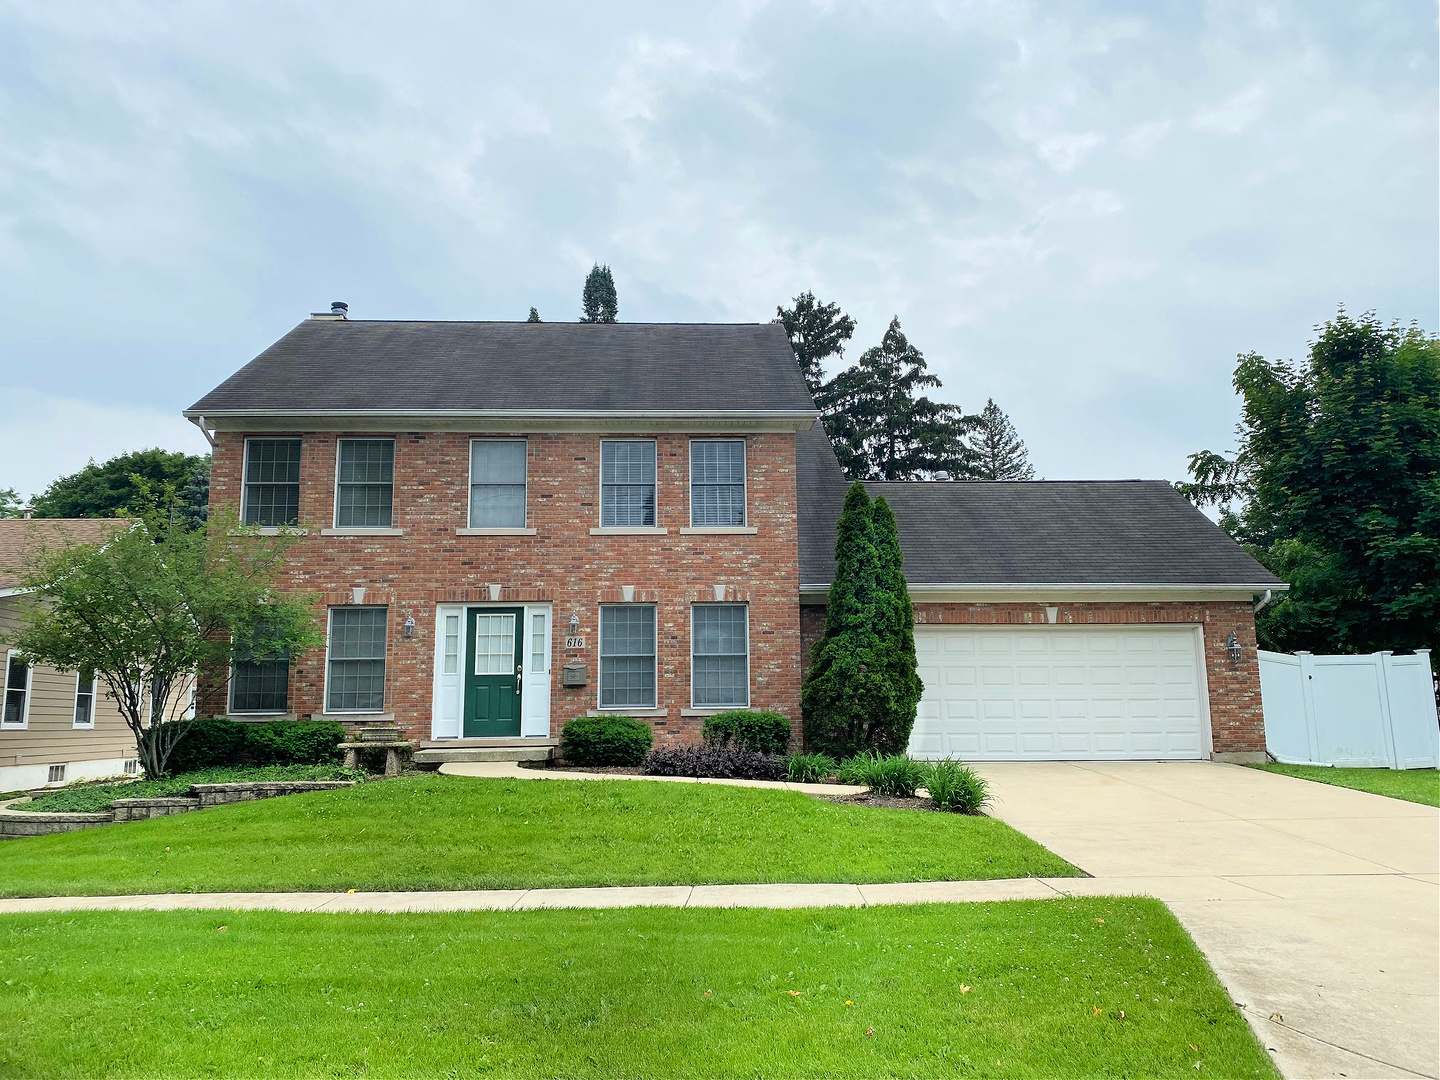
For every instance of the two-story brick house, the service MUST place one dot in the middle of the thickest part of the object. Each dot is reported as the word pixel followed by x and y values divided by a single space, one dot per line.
pixel 512 524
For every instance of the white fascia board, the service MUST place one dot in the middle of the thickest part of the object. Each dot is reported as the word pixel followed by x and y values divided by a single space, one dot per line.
pixel 13 592
pixel 507 420
pixel 1031 593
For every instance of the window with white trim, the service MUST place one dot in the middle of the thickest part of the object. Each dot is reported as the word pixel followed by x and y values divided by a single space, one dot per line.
pixel 355 675
pixel 719 656
pixel 497 483
pixel 717 482
pixel 260 684
pixel 17 692
pixel 627 656
pixel 271 493
pixel 627 483
pixel 537 642
pixel 85 685
pixel 365 484
pixel 450 663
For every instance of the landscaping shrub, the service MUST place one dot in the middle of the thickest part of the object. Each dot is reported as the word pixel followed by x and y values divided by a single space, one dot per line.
pixel 762 732
pixel 215 741
pixel 884 774
pixel 90 798
pixel 209 742
pixel 725 763
pixel 957 787
pixel 606 740
pixel 809 768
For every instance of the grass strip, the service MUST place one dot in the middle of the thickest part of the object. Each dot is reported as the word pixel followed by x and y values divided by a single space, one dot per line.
pixel 1412 785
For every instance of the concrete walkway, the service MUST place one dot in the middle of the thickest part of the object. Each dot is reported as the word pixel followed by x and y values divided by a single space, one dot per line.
pixel 1318 906
pixel 510 770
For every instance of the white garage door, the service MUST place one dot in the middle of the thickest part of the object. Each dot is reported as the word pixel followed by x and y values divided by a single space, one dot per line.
pixel 1052 693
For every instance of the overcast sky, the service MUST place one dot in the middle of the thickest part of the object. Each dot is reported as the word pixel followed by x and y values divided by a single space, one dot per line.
pixel 1082 210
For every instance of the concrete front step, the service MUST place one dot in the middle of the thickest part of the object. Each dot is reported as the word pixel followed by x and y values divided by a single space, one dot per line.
pixel 440 755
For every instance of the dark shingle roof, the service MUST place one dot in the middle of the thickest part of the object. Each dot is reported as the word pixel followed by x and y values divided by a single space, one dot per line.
pixel 324 365
pixel 1051 532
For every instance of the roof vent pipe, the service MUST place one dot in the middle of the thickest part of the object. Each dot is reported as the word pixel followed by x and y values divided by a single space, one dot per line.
pixel 339 309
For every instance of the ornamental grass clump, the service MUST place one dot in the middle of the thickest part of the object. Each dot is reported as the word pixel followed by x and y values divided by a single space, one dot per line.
pixel 809 768
pixel 884 774
pixel 955 786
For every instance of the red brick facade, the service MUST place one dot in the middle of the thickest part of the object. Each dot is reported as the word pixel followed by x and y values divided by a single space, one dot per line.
pixel 562 563
pixel 1236 720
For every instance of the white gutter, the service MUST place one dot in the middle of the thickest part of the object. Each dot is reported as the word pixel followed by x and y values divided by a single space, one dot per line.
pixel 1266 600
pixel 199 422
pixel 523 414
pixel 1042 592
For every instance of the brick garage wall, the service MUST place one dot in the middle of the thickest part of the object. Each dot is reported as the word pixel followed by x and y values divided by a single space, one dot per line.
pixel 1236 720
pixel 562 564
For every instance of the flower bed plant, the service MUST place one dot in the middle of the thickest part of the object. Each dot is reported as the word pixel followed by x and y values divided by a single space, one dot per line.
pixel 91 798
pixel 713 761
pixel 955 786
pixel 884 774
pixel 809 768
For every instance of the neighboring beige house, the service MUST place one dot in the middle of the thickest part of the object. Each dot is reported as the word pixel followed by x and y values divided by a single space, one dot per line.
pixel 55 727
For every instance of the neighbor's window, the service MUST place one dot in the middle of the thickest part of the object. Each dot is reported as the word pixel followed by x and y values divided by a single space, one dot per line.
pixel 497 484
pixel 719 656
pixel 17 692
pixel 271 494
pixel 627 483
pixel 717 482
pixel 260 685
pixel 365 484
pixel 355 681
pixel 85 699
pixel 627 655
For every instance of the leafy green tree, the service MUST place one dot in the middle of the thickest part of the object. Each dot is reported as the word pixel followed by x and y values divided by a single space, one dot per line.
pixel 817 331
pixel 1336 487
pixel 157 603
pixel 534 315
pixel 999 452
pixel 598 300
pixel 10 506
pixel 108 488
pixel 882 430
pixel 861 691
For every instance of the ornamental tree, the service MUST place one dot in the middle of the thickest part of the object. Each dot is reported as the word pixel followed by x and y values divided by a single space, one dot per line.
pixel 156 604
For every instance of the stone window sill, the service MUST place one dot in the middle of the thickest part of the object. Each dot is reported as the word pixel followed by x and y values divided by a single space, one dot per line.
pixel 341 717
pixel 362 532
pixel 258 717
pixel 495 532
pixel 628 712
pixel 711 710
pixel 628 530
pixel 719 530
pixel 278 530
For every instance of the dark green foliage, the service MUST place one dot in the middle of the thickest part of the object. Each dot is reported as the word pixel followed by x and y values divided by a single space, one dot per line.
pixel 106 489
pixel 762 732
pixel 90 798
pixel 884 774
pixel 598 300
pixel 881 430
pixel 9 503
pixel 216 741
pixel 817 331
pixel 862 689
pixel 999 452
pixel 728 763
pixel 534 315
pixel 606 740
pixel 1337 481
pixel 809 768
pixel 955 786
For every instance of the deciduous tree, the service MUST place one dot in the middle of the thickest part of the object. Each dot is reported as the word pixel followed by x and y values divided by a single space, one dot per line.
pixel 105 489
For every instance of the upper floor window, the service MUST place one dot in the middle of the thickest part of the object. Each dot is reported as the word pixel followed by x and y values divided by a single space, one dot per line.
pixel 355 677
pixel 271 494
pixel 365 484
pixel 627 482
pixel 84 699
pixel 717 482
pixel 719 656
pixel 497 484
pixel 627 655
pixel 17 691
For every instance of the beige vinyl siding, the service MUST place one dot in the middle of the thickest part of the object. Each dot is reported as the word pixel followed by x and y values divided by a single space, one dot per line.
pixel 51 736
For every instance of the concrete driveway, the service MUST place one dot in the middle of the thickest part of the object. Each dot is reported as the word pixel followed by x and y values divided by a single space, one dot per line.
pixel 1318 907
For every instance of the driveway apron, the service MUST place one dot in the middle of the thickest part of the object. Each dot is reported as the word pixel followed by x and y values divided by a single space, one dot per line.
pixel 1317 906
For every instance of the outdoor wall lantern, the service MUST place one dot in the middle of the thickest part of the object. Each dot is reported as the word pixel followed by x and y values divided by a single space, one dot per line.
pixel 574 623
pixel 409 628
pixel 1232 646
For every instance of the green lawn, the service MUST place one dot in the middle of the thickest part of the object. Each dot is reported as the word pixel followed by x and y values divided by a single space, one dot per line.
pixel 88 798
pixel 1413 785
pixel 440 832
pixel 1051 988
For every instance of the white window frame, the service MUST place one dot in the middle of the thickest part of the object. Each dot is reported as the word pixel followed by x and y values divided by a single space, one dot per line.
pixel 394 469
pixel 600 487
pixel 744 485
pixel 5 692
pixel 94 700
pixel 600 658
pixel 470 486
pixel 748 666
pixel 245 475
pixel 329 633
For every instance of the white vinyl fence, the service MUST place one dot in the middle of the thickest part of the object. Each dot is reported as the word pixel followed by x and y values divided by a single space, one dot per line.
pixel 1373 711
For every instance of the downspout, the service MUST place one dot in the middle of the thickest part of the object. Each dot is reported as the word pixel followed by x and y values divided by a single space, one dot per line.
pixel 1260 605
pixel 199 421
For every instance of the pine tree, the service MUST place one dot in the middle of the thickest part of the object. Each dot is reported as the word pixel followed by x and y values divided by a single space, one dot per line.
pixel 816 331
pixel 895 623
pixel 1000 453
pixel 881 430
pixel 534 315
pixel 598 299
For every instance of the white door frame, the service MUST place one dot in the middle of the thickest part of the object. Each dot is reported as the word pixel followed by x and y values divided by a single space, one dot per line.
pixel 447 695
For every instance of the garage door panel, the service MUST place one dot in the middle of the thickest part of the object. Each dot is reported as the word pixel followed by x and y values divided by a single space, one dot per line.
pixel 1071 693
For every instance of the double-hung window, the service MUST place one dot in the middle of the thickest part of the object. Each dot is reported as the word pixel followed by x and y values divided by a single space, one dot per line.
pixel 271 494
pixel 719 656
pixel 497 484
pixel 260 684
pixel 365 484
pixel 627 656
pixel 84 699
pixel 355 679
pixel 17 692
pixel 627 483
pixel 717 482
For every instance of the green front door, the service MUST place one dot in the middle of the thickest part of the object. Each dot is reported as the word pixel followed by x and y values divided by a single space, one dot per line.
pixel 493 670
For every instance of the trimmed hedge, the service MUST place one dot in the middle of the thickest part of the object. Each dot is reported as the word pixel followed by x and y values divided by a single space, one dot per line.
pixel 606 740
pixel 715 761
pixel 760 732
pixel 215 741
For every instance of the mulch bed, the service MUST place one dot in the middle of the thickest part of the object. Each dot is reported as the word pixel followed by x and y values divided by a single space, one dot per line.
pixel 893 802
